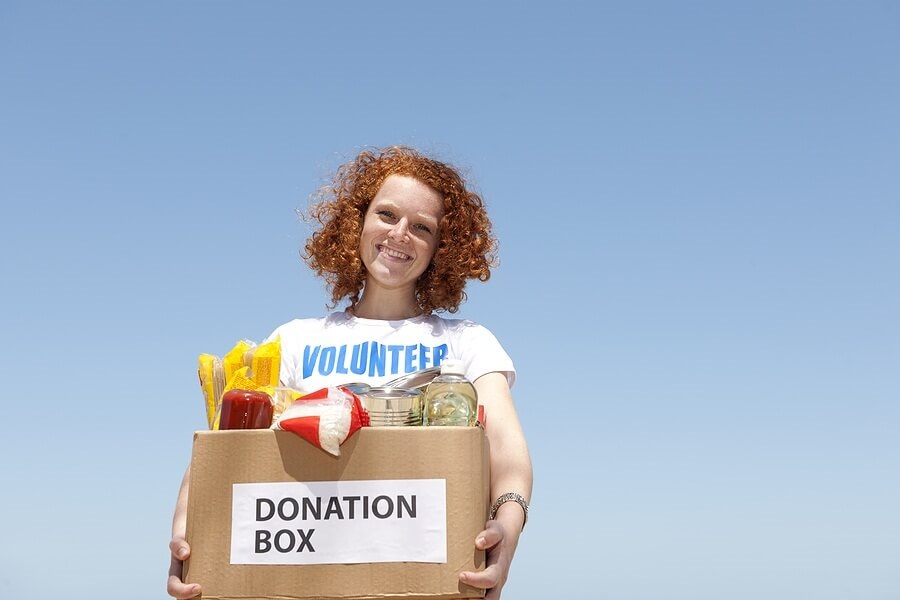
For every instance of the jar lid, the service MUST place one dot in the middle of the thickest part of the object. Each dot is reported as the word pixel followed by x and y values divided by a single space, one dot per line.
pixel 452 366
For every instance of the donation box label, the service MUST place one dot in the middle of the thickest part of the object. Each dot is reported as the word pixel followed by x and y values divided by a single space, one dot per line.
pixel 335 522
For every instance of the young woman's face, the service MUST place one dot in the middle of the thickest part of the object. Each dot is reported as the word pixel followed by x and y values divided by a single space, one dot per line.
pixel 400 232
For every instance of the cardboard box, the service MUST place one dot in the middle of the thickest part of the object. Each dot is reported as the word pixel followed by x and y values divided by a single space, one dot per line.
pixel 361 523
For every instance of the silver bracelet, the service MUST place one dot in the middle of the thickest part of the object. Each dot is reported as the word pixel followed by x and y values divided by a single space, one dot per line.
pixel 510 497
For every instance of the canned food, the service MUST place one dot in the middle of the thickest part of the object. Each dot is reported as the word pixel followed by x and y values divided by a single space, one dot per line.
pixel 391 406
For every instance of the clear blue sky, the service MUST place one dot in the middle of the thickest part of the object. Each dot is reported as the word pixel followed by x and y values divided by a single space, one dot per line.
pixel 698 205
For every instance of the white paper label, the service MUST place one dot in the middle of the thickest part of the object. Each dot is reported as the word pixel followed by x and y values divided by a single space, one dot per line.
pixel 327 522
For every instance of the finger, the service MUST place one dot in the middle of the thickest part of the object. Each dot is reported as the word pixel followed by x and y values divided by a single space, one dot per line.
pixel 492 535
pixel 179 548
pixel 485 579
pixel 178 589
pixel 175 586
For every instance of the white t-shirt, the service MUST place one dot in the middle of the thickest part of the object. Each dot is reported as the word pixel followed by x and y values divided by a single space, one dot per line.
pixel 342 348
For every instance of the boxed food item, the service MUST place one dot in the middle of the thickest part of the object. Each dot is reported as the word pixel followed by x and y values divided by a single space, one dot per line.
pixel 394 516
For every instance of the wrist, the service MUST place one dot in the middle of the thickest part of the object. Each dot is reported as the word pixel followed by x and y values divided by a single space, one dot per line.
pixel 511 504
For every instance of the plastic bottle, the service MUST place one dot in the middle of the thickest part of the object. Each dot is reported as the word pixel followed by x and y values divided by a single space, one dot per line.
pixel 450 399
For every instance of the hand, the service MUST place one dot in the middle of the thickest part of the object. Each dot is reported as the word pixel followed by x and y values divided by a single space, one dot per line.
pixel 499 556
pixel 176 587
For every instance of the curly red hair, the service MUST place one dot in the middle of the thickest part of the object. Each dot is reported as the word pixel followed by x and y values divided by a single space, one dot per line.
pixel 466 249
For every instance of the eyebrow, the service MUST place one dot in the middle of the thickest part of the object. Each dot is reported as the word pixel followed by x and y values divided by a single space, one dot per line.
pixel 387 203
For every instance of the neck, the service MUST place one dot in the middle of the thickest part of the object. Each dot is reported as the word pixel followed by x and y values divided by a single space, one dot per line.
pixel 386 305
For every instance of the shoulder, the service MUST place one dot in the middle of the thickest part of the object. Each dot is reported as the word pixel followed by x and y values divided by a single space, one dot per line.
pixel 468 337
pixel 479 349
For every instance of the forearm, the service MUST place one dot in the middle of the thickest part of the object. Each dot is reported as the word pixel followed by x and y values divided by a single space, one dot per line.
pixel 179 519
pixel 511 472
pixel 511 469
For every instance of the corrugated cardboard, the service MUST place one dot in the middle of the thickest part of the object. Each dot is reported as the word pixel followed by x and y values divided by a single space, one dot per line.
pixel 222 458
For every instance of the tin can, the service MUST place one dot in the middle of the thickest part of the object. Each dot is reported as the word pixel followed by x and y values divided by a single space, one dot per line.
pixel 392 406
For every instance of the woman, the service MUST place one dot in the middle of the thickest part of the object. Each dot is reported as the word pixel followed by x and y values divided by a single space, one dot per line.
pixel 399 237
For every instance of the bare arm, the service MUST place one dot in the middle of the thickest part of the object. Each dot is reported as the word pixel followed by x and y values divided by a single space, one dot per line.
pixel 179 546
pixel 511 471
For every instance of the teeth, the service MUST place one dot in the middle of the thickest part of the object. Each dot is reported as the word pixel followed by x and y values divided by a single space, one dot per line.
pixel 393 253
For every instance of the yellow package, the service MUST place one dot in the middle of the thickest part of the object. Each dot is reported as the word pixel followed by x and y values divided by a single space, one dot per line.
pixel 245 367
pixel 234 360
pixel 223 372
pixel 241 380
pixel 266 363
pixel 212 384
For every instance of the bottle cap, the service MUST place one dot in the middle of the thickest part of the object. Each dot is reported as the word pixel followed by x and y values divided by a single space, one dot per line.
pixel 454 366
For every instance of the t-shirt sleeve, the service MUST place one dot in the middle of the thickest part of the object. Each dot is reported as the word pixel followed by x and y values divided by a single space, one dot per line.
pixel 483 354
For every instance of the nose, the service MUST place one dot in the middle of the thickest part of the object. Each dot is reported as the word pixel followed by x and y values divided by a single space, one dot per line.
pixel 400 230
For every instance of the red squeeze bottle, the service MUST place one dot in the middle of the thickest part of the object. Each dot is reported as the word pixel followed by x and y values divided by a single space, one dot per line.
pixel 245 409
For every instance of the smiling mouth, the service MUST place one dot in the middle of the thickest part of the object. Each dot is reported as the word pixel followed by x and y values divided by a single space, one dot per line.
pixel 393 253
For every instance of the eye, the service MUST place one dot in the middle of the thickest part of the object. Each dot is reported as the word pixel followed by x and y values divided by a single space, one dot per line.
pixel 385 214
pixel 423 228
